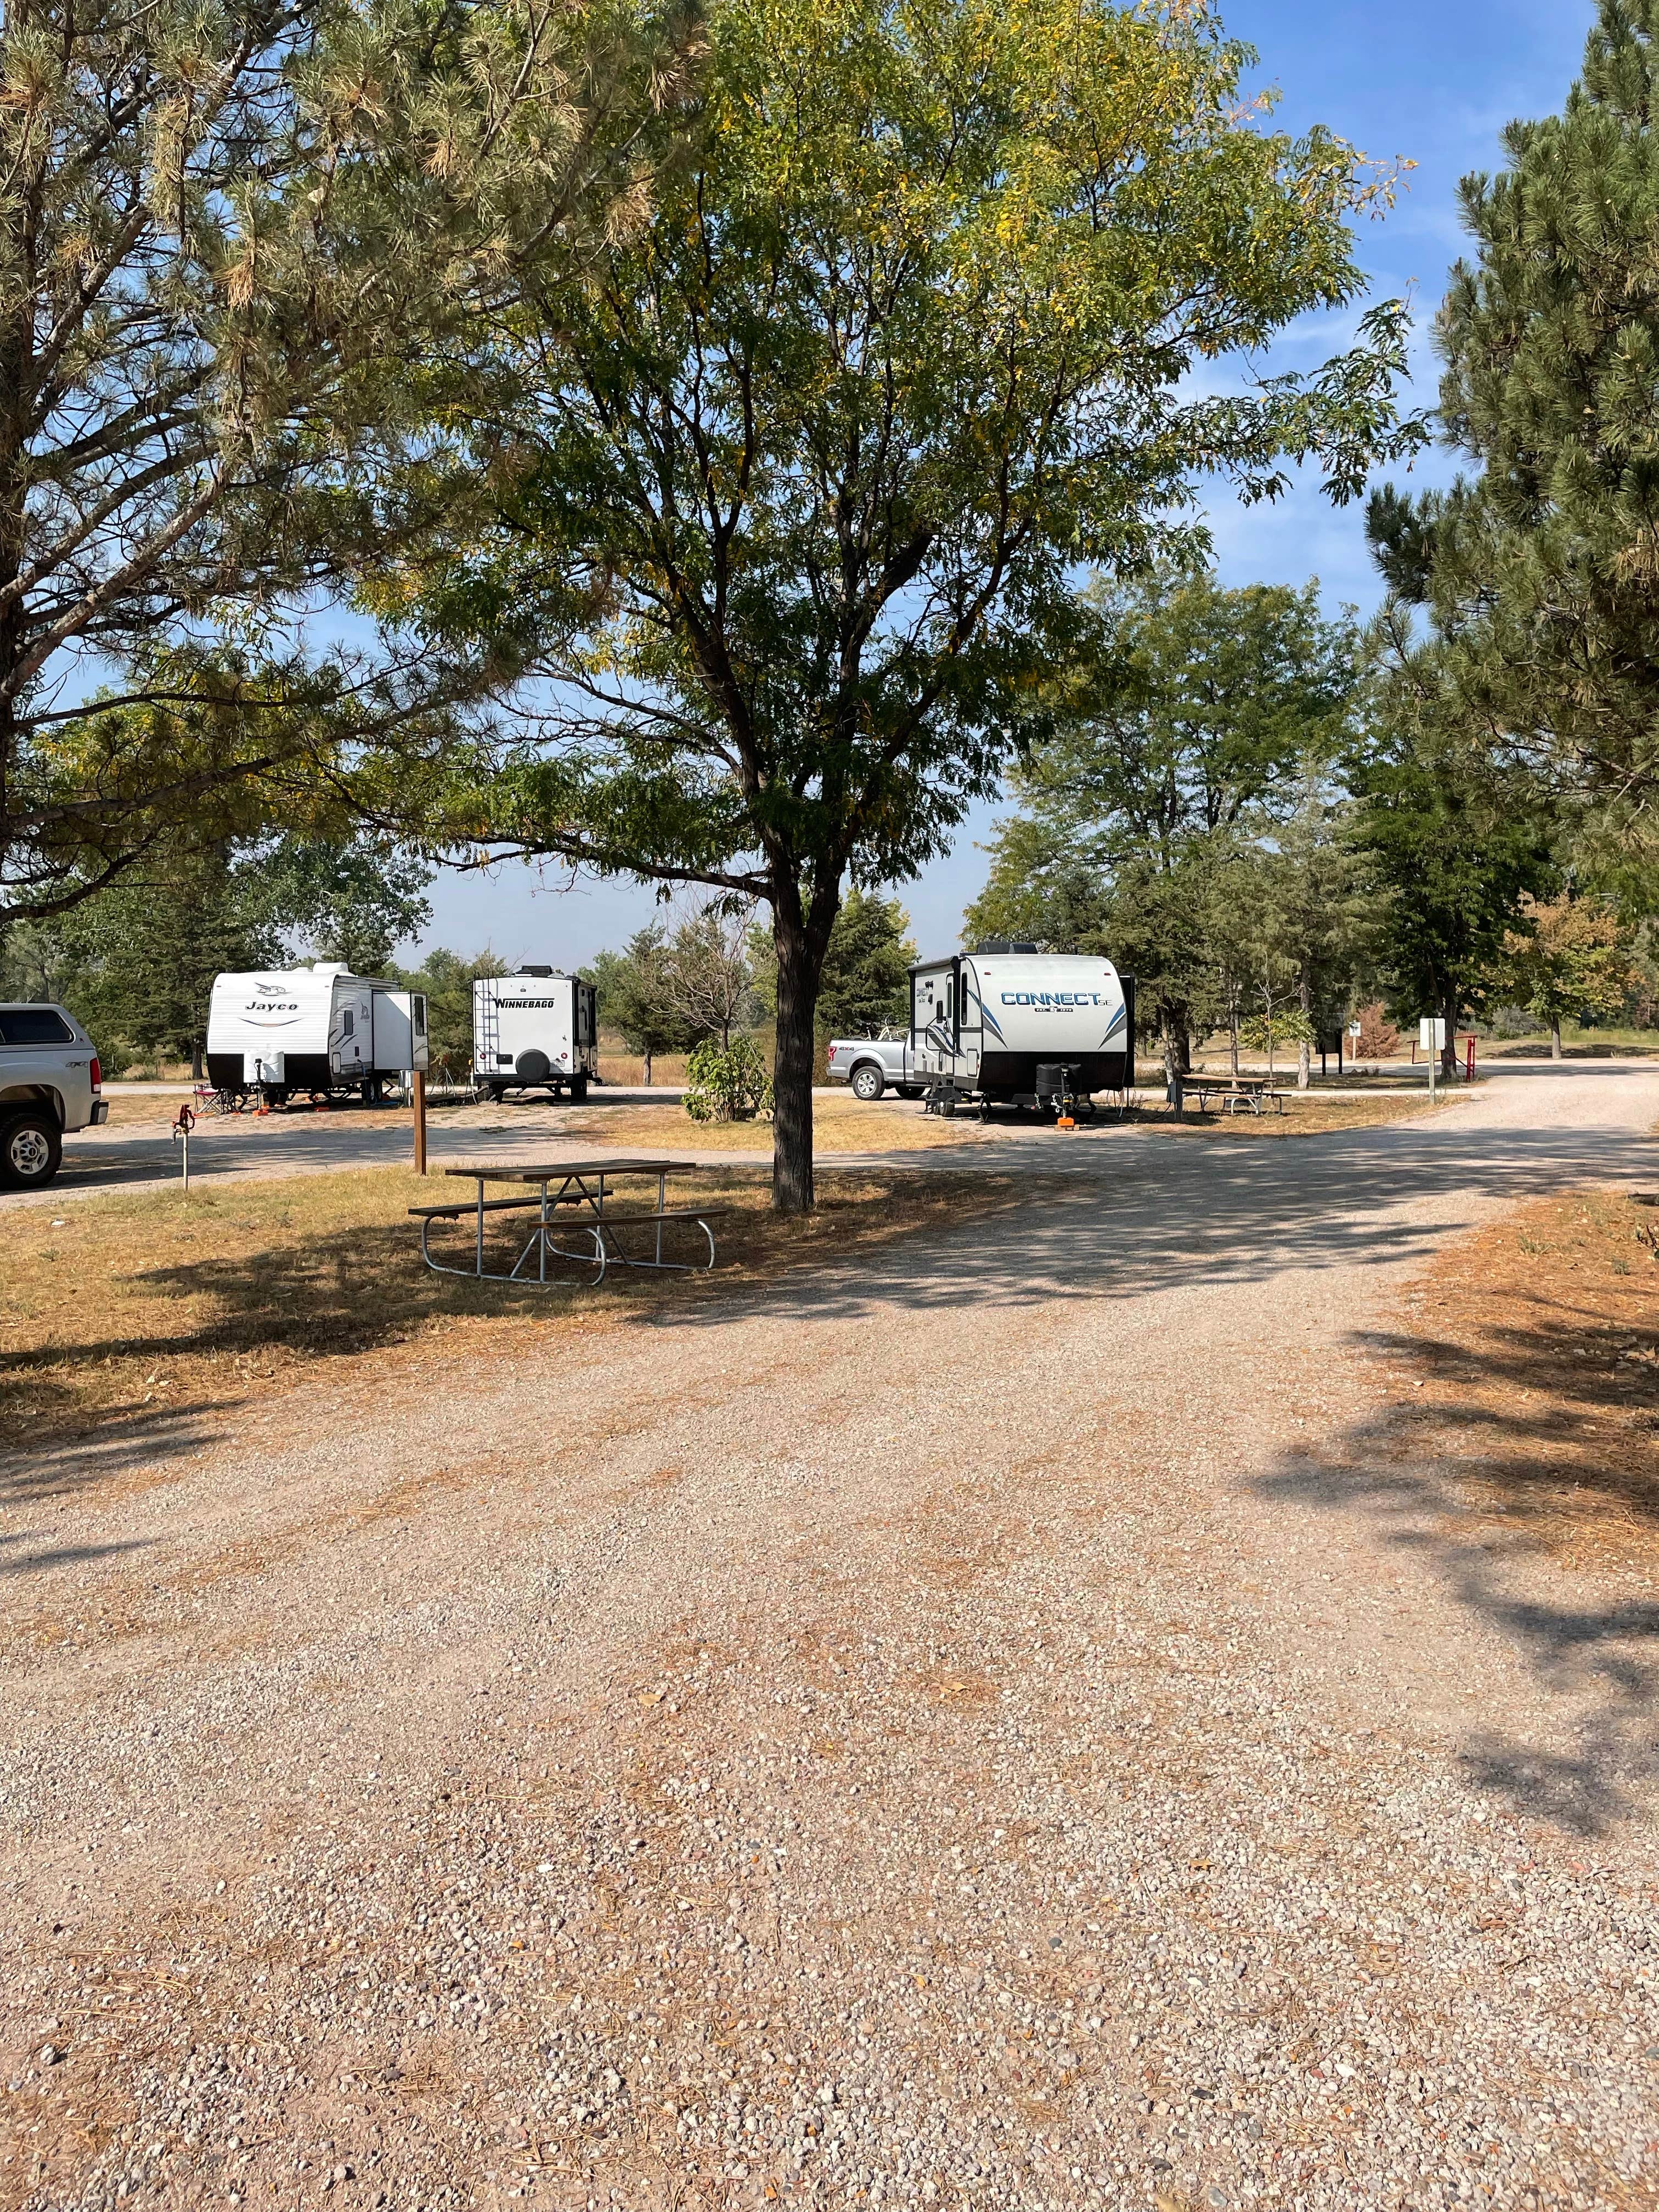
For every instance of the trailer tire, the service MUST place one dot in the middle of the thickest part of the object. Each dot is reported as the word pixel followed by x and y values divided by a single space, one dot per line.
pixel 30 1151
pixel 533 1067
pixel 578 1089
pixel 868 1082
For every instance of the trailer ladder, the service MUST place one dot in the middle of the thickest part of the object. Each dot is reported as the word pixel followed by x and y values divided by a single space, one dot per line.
pixel 487 1041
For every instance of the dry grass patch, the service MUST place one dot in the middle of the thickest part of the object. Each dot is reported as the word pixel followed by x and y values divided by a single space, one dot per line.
pixel 1306 1115
pixel 1537 1345
pixel 840 1124
pixel 142 1307
pixel 844 1124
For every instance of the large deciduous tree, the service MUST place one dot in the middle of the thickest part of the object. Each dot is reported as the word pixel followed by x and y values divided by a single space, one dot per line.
pixel 230 239
pixel 1189 723
pixel 789 515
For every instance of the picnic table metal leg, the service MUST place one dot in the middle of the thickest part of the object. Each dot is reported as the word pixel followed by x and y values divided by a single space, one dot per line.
pixel 542 1240
pixel 481 1206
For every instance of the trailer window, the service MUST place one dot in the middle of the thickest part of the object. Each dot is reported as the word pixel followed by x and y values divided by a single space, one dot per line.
pixel 420 1016
pixel 348 1023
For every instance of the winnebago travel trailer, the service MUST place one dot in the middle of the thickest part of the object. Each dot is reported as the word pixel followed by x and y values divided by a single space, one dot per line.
pixel 1018 1028
pixel 536 1030
pixel 312 1030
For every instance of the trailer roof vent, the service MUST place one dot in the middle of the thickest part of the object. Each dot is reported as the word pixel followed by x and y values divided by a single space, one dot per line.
pixel 526 968
pixel 1002 944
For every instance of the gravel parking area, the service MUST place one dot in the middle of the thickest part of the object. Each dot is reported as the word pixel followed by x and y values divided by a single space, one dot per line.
pixel 974 1727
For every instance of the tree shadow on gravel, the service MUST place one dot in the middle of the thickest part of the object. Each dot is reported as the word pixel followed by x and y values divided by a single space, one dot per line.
pixel 230 1329
pixel 1157 1215
pixel 1407 1481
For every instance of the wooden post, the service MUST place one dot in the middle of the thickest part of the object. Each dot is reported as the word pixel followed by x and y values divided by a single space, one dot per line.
pixel 419 1075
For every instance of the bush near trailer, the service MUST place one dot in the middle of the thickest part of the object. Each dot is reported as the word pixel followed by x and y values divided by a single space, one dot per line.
pixel 727 1083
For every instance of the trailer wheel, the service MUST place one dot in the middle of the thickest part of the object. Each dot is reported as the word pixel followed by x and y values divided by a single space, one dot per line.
pixel 578 1089
pixel 30 1151
pixel 868 1082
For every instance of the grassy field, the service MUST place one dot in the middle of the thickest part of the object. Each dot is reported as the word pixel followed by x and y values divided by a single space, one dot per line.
pixel 130 1310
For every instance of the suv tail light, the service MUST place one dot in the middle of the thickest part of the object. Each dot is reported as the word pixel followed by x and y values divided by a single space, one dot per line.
pixel 97 1073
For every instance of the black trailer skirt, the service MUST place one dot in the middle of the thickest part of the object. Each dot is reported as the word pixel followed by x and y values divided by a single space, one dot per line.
pixel 301 1071
pixel 1013 1075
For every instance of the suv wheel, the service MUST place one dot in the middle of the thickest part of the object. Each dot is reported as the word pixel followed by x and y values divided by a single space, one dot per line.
pixel 867 1082
pixel 30 1151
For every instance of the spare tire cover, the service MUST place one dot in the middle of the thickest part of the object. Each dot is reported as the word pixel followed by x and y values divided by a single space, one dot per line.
pixel 533 1066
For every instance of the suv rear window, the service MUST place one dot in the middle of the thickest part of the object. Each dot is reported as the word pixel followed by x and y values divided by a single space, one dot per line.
pixel 33 1026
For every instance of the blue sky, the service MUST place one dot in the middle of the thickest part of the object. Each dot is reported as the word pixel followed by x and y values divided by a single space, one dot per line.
pixel 1412 79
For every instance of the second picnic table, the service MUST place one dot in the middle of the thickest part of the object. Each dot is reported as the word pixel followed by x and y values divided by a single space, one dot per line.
pixel 1255 1092
pixel 586 1185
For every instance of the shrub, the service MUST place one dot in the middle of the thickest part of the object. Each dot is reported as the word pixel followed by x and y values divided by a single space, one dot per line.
pixel 1286 1025
pixel 1378 1037
pixel 727 1083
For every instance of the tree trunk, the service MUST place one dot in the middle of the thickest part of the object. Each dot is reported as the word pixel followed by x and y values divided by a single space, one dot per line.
pixel 196 1069
pixel 1555 1040
pixel 1448 1051
pixel 1304 1049
pixel 1232 1036
pixel 791 1068
pixel 645 1072
pixel 1173 1070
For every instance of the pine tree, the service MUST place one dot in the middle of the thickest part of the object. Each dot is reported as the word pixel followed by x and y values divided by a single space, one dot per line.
pixel 1541 572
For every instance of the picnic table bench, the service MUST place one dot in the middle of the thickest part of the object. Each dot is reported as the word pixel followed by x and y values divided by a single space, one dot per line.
pixel 1253 1091
pixel 585 1186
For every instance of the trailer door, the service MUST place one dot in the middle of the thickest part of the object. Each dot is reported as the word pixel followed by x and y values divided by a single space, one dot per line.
pixel 970 1041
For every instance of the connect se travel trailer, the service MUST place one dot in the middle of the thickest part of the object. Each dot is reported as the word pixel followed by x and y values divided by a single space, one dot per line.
pixel 535 1031
pixel 1012 1027
pixel 313 1031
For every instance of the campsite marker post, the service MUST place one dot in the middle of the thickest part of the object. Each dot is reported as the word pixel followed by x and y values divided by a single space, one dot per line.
pixel 181 1129
pixel 1431 1038
pixel 419 1075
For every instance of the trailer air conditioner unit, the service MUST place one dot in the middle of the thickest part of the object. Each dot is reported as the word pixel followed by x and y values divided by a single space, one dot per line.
pixel 534 1030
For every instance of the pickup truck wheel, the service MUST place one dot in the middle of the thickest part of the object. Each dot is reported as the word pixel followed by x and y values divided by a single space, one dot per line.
pixel 868 1082
pixel 30 1151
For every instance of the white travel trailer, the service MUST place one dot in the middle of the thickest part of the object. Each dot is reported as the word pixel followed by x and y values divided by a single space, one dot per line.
pixel 1014 1027
pixel 535 1031
pixel 316 1030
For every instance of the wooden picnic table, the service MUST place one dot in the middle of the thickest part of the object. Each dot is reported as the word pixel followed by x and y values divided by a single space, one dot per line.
pixel 585 1185
pixel 1255 1092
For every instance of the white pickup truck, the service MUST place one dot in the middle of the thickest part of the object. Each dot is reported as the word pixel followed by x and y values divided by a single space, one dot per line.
pixel 872 1065
pixel 49 1082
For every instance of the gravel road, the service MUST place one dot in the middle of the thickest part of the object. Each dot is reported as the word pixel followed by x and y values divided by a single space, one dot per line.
pixel 988 1729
